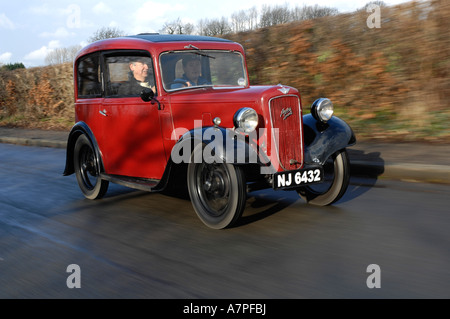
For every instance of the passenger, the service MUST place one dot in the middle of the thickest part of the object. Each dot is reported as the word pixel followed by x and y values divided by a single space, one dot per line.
pixel 192 73
pixel 139 77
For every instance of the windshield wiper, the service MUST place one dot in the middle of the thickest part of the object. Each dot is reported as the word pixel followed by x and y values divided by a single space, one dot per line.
pixel 199 52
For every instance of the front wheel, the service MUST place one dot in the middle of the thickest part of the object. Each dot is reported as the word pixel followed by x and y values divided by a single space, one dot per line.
pixel 336 180
pixel 87 171
pixel 217 191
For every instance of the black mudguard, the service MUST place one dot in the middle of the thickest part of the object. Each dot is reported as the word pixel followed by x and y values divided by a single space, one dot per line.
pixel 77 130
pixel 321 140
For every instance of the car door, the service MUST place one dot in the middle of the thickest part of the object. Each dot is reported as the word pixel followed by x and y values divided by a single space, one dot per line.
pixel 131 143
pixel 89 91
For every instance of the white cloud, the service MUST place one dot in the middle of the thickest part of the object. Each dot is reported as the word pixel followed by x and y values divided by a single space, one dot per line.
pixel 40 10
pixel 40 54
pixel 152 15
pixel 5 23
pixel 114 24
pixel 54 44
pixel 102 8
pixel 5 57
pixel 59 33
pixel 69 15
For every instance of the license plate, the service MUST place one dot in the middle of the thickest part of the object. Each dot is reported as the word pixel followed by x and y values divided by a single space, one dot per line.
pixel 292 179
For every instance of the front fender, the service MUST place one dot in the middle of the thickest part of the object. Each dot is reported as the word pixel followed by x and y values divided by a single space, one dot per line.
pixel 324 139
pixel 221 146
pixel 77 130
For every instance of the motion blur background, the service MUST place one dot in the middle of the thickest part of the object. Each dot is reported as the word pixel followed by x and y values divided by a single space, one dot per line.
pixel 390 82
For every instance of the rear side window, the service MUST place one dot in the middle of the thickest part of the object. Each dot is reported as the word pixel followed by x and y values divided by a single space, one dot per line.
pixel 89 77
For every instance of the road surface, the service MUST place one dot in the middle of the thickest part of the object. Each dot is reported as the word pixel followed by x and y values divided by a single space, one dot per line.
pixel 134 244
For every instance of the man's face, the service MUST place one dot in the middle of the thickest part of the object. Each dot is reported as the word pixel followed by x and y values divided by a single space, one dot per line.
pixel 140 70
pixel 193 70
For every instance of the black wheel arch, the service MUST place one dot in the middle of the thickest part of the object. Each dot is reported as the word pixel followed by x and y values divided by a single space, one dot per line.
pixel 181 153
pixel 238 143
pixel 80 128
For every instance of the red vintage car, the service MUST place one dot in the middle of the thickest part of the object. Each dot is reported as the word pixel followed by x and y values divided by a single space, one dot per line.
pixel 152 110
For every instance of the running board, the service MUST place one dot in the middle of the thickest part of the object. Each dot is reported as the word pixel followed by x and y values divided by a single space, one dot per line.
pixel 143 184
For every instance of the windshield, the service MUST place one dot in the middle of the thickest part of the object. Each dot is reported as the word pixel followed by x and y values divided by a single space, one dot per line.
pixel 187 69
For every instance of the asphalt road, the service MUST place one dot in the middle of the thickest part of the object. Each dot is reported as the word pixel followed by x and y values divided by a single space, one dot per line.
pixel 134 244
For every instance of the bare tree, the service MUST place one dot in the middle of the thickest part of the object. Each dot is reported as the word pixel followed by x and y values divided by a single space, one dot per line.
pixel 177 27
pixel 201 25
pixel 62 55
pixel 188 28
pixel 167 28
pixel 314 12
pixel 239 21
pixel 376 2
pixel 106 33
pixel 214 27
pixel 275 15
pixel 244 20
pixel 252 18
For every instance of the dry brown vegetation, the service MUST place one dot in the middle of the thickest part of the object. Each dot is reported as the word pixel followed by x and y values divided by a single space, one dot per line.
pixel 391 82
pixel 40 97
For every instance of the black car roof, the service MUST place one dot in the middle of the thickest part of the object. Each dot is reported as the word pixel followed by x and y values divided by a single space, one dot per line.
pixel 156 37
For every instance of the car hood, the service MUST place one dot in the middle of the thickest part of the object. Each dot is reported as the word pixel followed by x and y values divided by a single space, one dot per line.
pixel 207 103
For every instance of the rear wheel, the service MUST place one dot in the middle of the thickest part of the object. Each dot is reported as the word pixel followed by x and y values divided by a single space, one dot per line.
pixel 217 191
pixel 87 171
pixel 336 180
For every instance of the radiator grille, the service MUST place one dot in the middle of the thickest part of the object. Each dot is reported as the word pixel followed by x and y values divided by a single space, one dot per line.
pixel 286 117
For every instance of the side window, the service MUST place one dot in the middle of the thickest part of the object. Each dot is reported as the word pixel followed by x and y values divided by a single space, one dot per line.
pixel 89 77
pixel 128 74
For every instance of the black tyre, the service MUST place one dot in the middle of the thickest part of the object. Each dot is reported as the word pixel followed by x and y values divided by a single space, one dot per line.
pixel 87 170
pixel 337 176
pixel 217 191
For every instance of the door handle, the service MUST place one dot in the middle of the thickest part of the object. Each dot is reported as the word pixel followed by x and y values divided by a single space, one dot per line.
pixel 103 113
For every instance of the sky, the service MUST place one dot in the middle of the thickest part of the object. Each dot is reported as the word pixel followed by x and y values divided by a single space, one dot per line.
pixel 30 29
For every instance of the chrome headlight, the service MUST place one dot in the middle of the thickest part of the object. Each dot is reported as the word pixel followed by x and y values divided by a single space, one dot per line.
pixel 246 120
pixel 322 110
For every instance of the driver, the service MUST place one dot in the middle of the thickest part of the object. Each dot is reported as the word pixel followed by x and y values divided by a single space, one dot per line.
pixel 192 73
pixel 139 77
